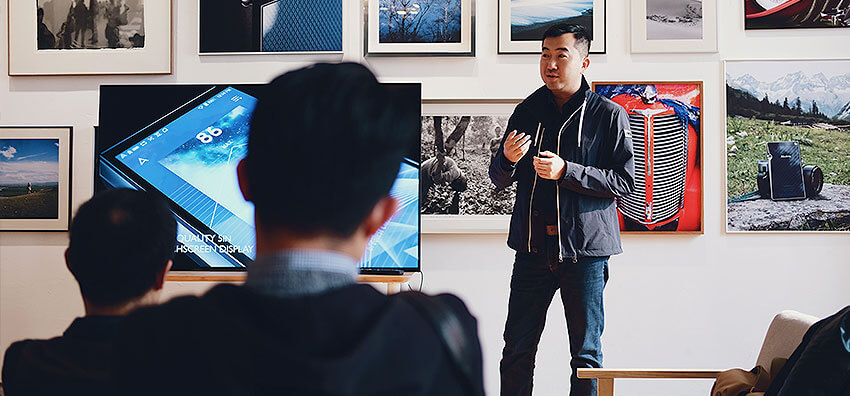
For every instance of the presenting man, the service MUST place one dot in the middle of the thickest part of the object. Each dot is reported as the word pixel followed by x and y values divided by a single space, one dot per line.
pixel 570 152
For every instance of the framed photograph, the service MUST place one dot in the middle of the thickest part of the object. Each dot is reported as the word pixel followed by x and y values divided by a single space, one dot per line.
pixel 790 14
pixel 781 116
pixel 523 22
pixel 674 25
pixel 80 37
pixel 667 133
pixel 35 178
pixel 419 27
pixel 270 27
pixel 459 137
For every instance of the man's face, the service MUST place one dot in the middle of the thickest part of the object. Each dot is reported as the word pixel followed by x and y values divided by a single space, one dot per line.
pixel 562 64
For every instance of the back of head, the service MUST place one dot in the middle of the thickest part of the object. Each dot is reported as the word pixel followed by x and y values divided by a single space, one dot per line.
pixel 325 145
pixel 581 35
pixel 120 241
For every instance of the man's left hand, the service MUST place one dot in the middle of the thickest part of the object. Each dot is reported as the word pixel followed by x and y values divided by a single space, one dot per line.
pixel 549 165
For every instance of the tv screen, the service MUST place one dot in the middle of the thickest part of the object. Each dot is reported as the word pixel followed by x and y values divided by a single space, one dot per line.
pixel 184 142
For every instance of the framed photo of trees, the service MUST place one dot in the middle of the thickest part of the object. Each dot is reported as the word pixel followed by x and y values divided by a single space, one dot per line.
pixel 459 138
pixel 420 27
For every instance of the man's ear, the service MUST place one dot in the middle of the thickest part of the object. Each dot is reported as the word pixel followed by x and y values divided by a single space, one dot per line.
pixel 585 64
pixel 160 277
pixel 242 175
pixel 381 212
pixel 68 260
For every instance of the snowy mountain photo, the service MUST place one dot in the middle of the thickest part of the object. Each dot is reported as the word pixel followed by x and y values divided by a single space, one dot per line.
pixel 827 83
pixel 673 19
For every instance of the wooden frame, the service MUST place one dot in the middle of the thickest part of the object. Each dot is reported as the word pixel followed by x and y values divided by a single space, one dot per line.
pixel 373 47
pixel 639 25
pixel 25 59
pixel 36 197
pixel 393 282
pixel 466 223
pixel 507 45
pixel 700 152
pixel 605 377
pixel 726 148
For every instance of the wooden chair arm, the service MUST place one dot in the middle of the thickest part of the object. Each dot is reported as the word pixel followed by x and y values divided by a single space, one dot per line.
pixel 605 377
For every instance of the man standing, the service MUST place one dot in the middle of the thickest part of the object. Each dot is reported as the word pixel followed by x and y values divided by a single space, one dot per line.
pixel 564 225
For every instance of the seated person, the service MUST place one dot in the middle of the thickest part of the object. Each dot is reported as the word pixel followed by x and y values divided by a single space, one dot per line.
pixel 324 148
pixel 121 245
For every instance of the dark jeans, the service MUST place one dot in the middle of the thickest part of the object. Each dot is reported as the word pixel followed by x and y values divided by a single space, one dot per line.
pixel 534 281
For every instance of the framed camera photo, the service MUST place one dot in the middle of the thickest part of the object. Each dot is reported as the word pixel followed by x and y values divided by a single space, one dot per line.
pixel 522 23
pixel 673 26
pixel 35 178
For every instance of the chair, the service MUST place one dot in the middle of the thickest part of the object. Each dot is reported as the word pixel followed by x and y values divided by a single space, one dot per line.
pixel 782 338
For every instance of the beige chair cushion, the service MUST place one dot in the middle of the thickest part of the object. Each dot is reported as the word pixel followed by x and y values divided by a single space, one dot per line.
pixel 783 336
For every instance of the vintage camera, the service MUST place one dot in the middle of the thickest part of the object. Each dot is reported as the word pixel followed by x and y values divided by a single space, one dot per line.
pixel 812 179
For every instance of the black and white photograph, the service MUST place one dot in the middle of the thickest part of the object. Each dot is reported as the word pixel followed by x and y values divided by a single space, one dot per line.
pixel 456 153
pixel 90 24
pixel 89 37
pixel 34 178
pixel 420 27
pixel 673 26
pixel 801 105
pixel 673 19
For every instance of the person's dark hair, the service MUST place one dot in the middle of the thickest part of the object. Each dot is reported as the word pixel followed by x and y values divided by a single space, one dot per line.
pixel 325 145
pixel 581 35
pixel 120 240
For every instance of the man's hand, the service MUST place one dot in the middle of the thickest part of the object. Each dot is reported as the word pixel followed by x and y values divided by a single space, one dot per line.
pixel 516 145
pixel 549 166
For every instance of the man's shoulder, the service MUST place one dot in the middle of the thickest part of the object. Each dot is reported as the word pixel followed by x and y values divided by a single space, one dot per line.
pixel 602 103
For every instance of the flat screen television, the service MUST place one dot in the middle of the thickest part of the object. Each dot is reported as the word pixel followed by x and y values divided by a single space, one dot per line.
pixel 184 142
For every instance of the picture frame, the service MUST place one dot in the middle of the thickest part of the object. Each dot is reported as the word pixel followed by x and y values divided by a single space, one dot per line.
pixel 665 26
pixel 137 38
pixel 385 32
pixel 757 111
pixel 525 36
pixel 795 14
pixel 480 208
pixel 35 178
pixel 669 185
pixel 297 29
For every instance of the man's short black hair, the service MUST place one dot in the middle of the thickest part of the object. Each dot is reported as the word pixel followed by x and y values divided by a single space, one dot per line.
pixel 581 35
pixel 325 145
pixel 120 240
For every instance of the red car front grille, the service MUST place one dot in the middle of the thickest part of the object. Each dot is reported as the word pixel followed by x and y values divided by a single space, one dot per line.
pixel 660 167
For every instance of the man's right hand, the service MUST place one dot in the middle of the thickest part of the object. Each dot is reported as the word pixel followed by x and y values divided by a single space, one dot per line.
pixel 516 145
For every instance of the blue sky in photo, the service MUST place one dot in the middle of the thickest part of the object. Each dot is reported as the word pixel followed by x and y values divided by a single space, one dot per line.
pixel 435 12
pixel 529 12
pixel 29 161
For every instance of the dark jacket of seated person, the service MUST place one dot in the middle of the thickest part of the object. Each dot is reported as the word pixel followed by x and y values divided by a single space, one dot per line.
pixel 294 328
pixel 111 282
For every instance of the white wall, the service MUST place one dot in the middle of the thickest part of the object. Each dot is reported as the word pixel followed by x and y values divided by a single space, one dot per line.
pixel 673 301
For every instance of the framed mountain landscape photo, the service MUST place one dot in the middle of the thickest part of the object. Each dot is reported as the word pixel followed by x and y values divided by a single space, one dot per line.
pixel 35 178
pixel 420 28
pixel 787 145
pixel 523 22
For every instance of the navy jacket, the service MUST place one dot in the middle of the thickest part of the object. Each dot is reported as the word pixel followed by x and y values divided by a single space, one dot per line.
pixel 597 146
